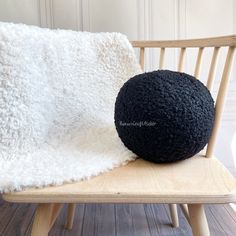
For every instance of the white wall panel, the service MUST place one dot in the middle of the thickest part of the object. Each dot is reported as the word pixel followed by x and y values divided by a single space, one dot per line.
pixel 211 17
pixel 65 14
pixel 110 16
pixel 23 11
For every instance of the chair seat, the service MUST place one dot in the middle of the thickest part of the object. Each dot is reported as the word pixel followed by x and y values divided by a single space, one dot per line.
pixel 196 180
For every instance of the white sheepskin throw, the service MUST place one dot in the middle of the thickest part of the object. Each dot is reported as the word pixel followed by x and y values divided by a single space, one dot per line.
pixel 57 95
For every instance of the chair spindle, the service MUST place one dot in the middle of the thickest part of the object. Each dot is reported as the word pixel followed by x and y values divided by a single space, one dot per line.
pixel 212 70
pixel 220 100
pixel 181 59
pixel 162 57
pixel 198 62
pixel 141 57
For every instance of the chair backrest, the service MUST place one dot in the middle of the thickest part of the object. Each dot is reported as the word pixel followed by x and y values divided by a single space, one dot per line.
pixel 217 43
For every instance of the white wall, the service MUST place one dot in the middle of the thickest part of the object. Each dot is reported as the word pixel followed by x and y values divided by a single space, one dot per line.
pixel 142 19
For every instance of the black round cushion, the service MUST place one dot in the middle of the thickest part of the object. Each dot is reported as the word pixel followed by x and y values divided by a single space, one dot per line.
pixel 164 116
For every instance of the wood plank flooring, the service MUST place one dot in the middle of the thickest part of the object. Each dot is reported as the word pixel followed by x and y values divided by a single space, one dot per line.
pixel 115 220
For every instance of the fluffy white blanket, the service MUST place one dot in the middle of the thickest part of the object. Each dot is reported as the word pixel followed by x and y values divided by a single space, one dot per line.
pixel 57 94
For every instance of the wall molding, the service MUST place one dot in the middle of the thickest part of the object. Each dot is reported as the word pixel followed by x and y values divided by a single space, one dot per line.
pixel 79 15
pixel 85 15
pixel 82 14
pixel 42 13
pixel 181 21
pixel 234 14
pixel 145 26
pixel 144 21
pixel 140 19
pixel 229 114
pixel 46 13
pixel 39 13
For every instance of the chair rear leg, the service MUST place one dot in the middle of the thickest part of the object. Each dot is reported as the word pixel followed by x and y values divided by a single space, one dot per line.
pixel 198 220
pixel 174 215
pixel 45 217
pixel 70 215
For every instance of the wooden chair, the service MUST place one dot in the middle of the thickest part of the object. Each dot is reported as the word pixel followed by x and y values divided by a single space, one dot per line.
pixel 191 183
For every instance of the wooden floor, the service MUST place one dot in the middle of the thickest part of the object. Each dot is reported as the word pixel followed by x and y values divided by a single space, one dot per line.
pixel 117 220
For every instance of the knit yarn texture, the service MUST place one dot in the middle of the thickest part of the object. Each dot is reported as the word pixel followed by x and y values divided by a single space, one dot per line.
pixel 164 116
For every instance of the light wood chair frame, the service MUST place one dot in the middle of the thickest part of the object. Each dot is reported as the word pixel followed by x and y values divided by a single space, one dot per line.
pixel 201 44
pixel 51 202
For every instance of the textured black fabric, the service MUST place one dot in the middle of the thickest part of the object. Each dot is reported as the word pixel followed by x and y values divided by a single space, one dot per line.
pixel 164 116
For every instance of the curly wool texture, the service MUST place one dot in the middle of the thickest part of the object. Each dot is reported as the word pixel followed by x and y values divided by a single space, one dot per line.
pixel 164 116
pixel 57 96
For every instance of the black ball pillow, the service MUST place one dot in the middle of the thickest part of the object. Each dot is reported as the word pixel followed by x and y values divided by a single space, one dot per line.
pixel 164 116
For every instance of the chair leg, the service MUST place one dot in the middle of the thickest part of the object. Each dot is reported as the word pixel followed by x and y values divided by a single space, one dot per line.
pixel 70 215
pixel 45 217
pixel 184 208
pixel 174 215
pixel 198 220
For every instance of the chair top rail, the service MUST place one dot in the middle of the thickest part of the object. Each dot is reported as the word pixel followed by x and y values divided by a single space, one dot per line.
pixel 222 41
